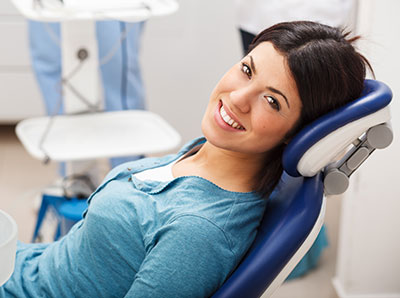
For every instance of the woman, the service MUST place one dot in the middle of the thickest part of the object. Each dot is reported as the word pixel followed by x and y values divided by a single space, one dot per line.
pixel 177 226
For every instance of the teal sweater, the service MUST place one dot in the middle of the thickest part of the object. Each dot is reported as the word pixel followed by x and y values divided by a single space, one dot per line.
pixel 180 238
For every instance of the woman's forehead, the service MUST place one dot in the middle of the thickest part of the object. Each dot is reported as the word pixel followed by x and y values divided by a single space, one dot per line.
pixel 271 66
pixel 266 53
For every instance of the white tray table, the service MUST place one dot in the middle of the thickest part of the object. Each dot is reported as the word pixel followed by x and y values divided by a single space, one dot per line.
pixel 98 135
pixel 124 10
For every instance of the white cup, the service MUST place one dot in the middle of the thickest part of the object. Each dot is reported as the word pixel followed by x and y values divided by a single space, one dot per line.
pixel 8 246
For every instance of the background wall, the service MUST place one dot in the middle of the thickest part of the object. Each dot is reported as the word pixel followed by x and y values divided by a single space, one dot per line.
pixel 19 95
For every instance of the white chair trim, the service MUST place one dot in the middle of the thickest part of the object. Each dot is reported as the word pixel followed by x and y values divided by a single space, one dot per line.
pixel 308 242
pixel 328 148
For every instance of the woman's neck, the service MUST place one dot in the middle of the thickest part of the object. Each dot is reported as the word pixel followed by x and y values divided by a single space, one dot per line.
pixel 230 170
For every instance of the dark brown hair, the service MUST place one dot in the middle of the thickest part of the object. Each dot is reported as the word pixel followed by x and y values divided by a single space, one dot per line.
pixel 328 72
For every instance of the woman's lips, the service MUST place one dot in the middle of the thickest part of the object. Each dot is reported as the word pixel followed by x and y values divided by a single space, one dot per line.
pixel 225 119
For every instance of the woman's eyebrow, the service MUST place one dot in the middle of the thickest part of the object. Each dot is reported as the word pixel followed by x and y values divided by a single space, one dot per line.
pixel 253 67
pixel 272 89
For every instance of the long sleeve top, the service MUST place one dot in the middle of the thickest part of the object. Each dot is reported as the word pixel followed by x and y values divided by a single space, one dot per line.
pixel 180 238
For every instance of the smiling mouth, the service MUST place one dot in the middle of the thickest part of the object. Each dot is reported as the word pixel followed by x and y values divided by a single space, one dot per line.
pixel 228 120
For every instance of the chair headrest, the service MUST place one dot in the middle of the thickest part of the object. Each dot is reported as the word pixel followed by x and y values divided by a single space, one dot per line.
pixel 320 142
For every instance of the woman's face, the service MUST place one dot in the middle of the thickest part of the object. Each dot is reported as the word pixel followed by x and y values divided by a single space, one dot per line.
pixel 254 105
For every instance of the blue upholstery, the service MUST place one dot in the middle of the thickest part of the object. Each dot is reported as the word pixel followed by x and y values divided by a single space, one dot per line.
pixel 295 205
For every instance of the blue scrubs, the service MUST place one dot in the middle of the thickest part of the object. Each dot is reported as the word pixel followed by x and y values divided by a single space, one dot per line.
pixel 121 77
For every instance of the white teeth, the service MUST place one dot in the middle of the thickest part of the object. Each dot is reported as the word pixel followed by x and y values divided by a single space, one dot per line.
pixel 228 119
pixel 223 112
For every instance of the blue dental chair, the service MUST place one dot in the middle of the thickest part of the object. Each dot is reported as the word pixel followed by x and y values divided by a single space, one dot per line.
pixel 295 211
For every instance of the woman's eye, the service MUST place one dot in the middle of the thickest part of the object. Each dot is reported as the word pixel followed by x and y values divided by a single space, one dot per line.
pixel 246 70
pixel 273 103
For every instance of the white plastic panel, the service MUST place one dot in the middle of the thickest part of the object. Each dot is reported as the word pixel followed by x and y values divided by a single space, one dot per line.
pixel 78 35
pixel 325 150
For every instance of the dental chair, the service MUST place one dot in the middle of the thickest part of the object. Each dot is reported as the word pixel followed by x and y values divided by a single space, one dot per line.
pixel 319 159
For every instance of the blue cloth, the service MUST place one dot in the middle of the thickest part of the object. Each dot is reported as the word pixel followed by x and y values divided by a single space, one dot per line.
pixel 121 76
pixel 180 238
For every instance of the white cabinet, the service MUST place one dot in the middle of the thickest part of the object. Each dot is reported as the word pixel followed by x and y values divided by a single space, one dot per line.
pixel 19 94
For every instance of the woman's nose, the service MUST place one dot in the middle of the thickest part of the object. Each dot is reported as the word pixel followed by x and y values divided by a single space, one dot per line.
pixel 241 98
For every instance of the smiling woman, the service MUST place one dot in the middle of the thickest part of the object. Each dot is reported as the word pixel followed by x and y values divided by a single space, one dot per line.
pixel 259 96
pixel 256 99
pixel 177 226
pixel 294 72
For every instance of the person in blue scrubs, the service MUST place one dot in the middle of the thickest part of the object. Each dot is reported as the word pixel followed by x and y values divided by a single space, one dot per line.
pixel 120 73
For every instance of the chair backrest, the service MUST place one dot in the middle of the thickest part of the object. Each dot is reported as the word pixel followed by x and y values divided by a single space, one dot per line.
pixel 295 210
